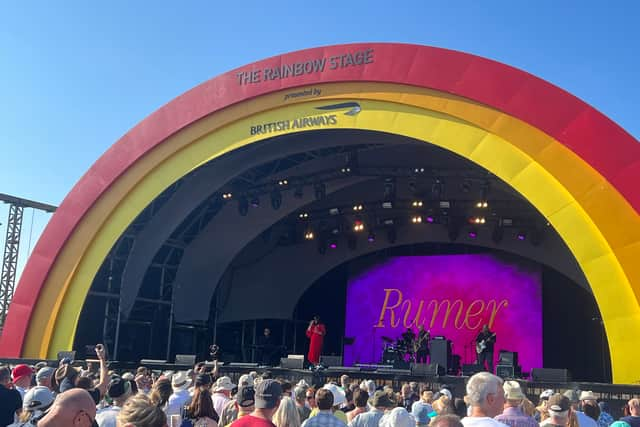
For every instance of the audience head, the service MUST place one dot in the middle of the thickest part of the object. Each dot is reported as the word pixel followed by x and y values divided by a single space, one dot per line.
pixel 161 392
pixel 201 404
pixel 460 407
pixel 591 409
pixel 339 396
pixel 559 407
pixel 360 398
pixel 286 415
pixel 119 390
pixel 485 394
pixel 513 393
pixel 44 375
pixel 398 417
pixel 299 394
pixel 382 401
pixel 245 399
pixel 74 407
pixel 21 376
pixel 447 420
pixel 634 407
pixel 35 402
pixel 139 411
pixel 324 399
pixel 267 396
pixel 5 375
pixel 311 397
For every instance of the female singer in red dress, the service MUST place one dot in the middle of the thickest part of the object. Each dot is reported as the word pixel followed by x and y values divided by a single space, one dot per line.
pixel 315 332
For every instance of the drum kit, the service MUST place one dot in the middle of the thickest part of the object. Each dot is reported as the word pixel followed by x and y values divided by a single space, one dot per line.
pixel 396 350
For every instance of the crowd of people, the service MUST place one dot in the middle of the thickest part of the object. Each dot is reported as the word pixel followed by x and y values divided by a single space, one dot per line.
pixel 68 396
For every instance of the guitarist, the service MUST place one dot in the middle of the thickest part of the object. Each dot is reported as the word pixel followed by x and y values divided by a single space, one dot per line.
pixel 422 345
pixel 484 348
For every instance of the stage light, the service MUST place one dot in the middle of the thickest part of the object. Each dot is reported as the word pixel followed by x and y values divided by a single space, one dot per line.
pixel 308 235
pixel 387 205
pixel 482 205
pixel 320 191
pixel 477 220
pixel 334 211
pixel 243 206
pixel 388 221
pixel 255 202
pixel 418 170
pixel 351 164
pixel 227 196
pixel 276 199
pixel 507 222
pixel 371 237
pixel 333 244
pixel 303 215
pixel 416 219
pixel 430 219
pixel 346 170
pixel 283 182
pixel 521 235
pixel 444 204
pixel 298 191
pixel 358 226
pixel 357 208
pixel 473 233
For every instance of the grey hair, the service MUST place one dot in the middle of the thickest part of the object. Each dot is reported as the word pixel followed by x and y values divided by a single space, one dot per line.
pixel 561 416
pixel 448 420
pixel 480 385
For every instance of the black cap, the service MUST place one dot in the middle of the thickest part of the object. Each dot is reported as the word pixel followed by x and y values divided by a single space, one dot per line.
pixel 118 387
pixel 246 396
pixel 203 380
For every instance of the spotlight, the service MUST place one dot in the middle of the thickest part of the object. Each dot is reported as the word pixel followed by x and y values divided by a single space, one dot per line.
pixel 418 170
pixel 320 190
pixel 346 170
pixel 227 196
pixel 482 205
pixel 371 237
pixel 298 191
pixel 334 211
pixel 276 199
pixel 308 235
pixel 387 205
pixel 473 233
pixel 444 204
pixel 243 206
pixel 477 220
pixel 303 215
pixel 351 164
pixel 358 226
pixel 255 202
pixel 333 244
pixel 357 208
pixel 417 203
pixel 416 219
pixel 430 219
pixel 283 182
pixel 521 235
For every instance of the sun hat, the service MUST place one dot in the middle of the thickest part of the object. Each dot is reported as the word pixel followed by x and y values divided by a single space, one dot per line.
pixel 180 381
pixel 224 383
pixel 339 396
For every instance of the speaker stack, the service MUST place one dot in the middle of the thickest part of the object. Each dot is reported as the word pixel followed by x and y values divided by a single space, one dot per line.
pixel 507 366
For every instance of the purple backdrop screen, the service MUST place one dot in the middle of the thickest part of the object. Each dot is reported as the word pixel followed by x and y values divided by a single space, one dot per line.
pixel 452 296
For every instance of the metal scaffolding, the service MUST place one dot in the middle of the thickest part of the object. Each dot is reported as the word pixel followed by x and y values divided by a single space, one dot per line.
pixel 11 247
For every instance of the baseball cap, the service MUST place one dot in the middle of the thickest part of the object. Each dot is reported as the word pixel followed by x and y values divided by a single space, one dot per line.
pixel 246 396
pixel 44 373
pixel 39 398
pixel 20 371
pixel 421 413
pixel 545 395
pixel 559 403
pixel 267 394
pixel 118 387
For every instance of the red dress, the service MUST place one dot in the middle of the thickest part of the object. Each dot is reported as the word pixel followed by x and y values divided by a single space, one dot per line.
pixel 316 334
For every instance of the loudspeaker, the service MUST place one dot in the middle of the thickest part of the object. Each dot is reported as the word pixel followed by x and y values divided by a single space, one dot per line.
pixel 550 375
pixel 441 352
pixel 430 370
pixel 470 369
pixel 330 361
pixel 289 363
pixel 186 359
pixel 508 371
pixel 509 358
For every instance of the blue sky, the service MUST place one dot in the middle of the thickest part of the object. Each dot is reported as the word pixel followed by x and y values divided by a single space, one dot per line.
pixel 75 76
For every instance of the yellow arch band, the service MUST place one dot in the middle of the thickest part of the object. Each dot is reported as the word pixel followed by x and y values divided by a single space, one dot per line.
pixel 617 302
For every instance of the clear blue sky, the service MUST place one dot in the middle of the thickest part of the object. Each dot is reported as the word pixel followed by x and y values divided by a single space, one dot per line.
pixel 76 75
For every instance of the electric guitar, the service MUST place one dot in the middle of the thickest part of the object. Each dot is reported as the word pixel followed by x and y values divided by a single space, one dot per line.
pixel 480 346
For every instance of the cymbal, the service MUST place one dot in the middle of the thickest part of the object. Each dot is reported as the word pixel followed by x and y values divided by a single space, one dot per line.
pixel 387 339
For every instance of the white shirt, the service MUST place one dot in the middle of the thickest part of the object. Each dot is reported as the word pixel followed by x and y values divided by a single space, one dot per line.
pixel 219 401
pixel 106 417
pixel 176 402
pixel 481 422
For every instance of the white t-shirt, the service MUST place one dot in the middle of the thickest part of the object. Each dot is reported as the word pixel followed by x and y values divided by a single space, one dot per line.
pixel 106 417
pixel 481 422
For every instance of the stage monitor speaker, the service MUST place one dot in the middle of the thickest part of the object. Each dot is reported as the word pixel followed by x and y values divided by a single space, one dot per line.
pixel 291 363
pixel 508 371
pixel 550 375
pixel 186 359
pixel 331 361
pixel 441 353
pixel 509 358
pixel 427 370
pixel 470 369
pixel 243 365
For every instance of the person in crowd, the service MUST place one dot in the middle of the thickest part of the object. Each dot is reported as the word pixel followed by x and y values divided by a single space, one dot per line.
pixel 311 399
pixel 143 380
pixel 528 408
pixel 21 378
pixel 408 397
pixel 315 332
pixel 231 408
pixel 344 382
pixel 633 419
pixel 36 401
pixel 448 420
pixel 200 411
pixel 118 392
pixel 420 414
pixel 541 410
pixel 139 411
pixel 582 419
pixel 43 377
pixel 180 383
pixel 348 405
pixel 325 416
pixel 605 419
pixel 244 403
pixel 559 408
pixel 72 408
pixel 360 398
pixel 65 377
pixel 397 417
pixel 300 394
pixel 286 387
pixel 267 400
pixel 287 414
pixel 10 399
pixel 459 407
pixel 486 398
pixel 441 406
pixel 380 402
pixel 338 399
pixel 591 409
pixel 222 393
pixel 160 393
pixel 423 404
pixel 512 414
